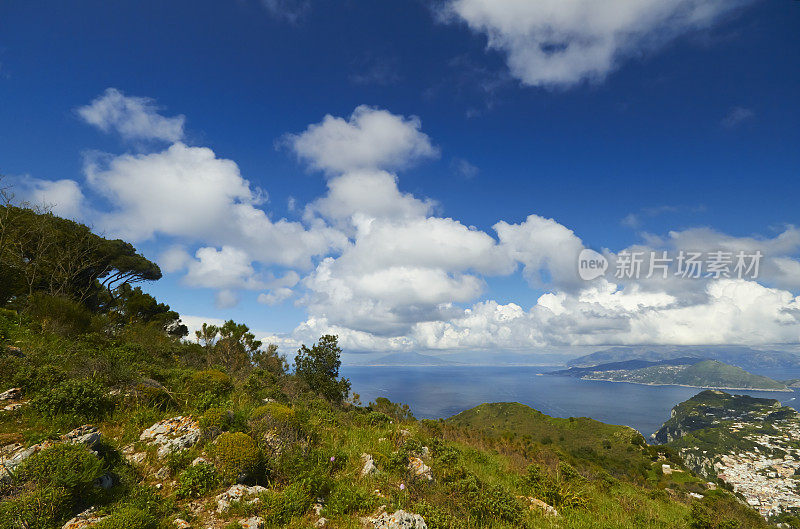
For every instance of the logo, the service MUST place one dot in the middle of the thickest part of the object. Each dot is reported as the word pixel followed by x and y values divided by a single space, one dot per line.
pixel 591 264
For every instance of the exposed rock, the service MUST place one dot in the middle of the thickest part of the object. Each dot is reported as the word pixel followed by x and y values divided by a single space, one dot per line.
pixel 162 474
pixel 419 468
pixel 369 465
pixel 398 520
pixel 11 394
pixel 322 522
pixel 14 407
pixel 15 351
pixel 199 460
pixel 12 459
pixel 424 452
pixel 105 482
pixel 87 518
pixel 172 434
pixel 87 435
pixel 536 503
pixel 317 508
pixel 237 493
pixel 180 523
pixel 256 522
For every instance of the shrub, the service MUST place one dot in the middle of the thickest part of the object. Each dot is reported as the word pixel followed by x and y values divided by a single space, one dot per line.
pixel 128 517
pixel 197 480
pixel 59 315
pixel 69 467
pixel 348 499
pixel 177 460
pixel 151 393
pixel 235 454
pixel 83 398
pixel 215 421
pixel 42 508
pixel 211 380
pixel 273 411
pixel 278 508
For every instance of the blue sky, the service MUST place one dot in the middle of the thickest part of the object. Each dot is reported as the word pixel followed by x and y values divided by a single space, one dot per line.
pixel 674 124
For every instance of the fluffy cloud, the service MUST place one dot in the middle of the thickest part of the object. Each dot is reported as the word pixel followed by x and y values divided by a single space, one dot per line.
pixel 370 139
pixel 227 268
pixel 134 118
pixel 185 191
pixel 564 42
pixel 188 193
pixel 367 194
pixel 64 197
pixel 378 267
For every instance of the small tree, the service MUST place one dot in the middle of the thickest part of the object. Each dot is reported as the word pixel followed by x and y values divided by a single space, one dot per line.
pixel 319 368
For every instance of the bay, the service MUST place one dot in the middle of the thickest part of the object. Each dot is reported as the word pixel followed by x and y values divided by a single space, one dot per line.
pixel 443 391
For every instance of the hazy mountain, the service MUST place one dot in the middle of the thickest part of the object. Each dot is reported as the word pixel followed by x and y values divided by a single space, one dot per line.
pixel 409 359
pixel 743 357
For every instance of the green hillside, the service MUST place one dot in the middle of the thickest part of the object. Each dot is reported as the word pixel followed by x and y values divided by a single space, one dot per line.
pixel 715 374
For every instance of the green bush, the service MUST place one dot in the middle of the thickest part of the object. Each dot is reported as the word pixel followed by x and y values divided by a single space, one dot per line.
pixel 215 421
pixel 211 380
pixel 82 398
pixel 70 467
pixel 235 454
pixel 197 480
pixel 42 508
pixel 349 499
pixel 151 393
pixel 128 517
pixel 59 315
pixel 278 508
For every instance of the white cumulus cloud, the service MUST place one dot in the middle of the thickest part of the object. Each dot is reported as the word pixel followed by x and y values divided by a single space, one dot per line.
pixel 133 118
pixel 564 42
pixel 370 138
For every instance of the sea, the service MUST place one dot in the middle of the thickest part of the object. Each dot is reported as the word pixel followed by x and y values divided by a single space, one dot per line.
pixel 443 391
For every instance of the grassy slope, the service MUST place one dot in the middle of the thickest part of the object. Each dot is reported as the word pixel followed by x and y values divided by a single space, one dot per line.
pixel 479 458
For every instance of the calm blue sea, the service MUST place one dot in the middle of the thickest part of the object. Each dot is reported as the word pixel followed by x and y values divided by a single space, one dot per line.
pixel 434 392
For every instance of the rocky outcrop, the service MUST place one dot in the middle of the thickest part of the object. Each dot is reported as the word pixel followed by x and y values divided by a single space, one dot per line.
pixel 86 435
pixel 172 434
pixel 254 522
pixel 399 520
pixel 539 505
pixel 11 394
pixel 238 493
pixel 84 520
pixel 419 468
pixel 369 465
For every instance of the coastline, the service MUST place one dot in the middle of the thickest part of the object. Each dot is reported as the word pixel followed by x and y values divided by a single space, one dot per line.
pixel 787 390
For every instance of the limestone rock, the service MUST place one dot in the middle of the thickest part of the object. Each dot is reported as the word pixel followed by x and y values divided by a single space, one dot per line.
pixel 172 434
pixel 419 468
pixel 255 522
pixel 322 522
pixel 536 503
pixel 180 523
pixel 399 520
pixel 84 520
pixel 237 493
pixel 11 394
pixel 105 482
pixel 369 465
pixel 87 435
pixel 14 406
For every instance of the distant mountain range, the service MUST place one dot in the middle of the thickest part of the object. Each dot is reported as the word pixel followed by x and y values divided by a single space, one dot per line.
pixel 744 357
pixel 409 359
pixel 685 371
